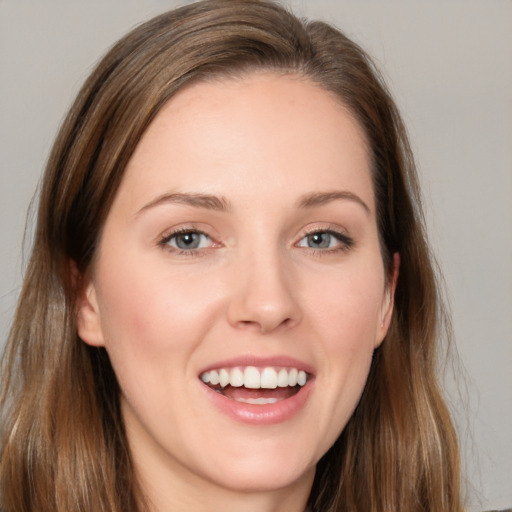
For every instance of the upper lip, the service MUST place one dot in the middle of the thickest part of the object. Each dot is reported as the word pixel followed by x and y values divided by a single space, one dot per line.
pixel 257 361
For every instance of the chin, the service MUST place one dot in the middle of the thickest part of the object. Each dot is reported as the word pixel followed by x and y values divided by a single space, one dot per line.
pixel 264 469
pixel 270 477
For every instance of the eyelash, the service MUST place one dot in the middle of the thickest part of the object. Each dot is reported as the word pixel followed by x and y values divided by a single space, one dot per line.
pixel 164 242
pixel 345 242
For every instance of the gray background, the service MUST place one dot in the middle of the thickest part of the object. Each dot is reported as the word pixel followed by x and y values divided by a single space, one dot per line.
pixel 449 65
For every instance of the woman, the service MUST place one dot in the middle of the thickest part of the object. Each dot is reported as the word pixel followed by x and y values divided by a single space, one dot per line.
pixel 230 301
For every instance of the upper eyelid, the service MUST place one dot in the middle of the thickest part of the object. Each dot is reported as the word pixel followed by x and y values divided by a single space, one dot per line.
pixel 324 230
pixel 174 231
pixel 327 228
pixel 181 231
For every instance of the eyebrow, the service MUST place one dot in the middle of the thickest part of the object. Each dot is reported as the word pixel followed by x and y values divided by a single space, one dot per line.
pixel 206 201
pixel 321 198
pixel 216 203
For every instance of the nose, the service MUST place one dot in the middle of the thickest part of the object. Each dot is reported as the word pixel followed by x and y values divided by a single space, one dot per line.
pixel 264 296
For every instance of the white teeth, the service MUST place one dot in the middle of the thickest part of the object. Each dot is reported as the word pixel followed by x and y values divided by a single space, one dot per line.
pixel 224 377
pixel 282 378
pixel 254 378
pixel 237 378
pixel 214 377
pixel 257 401
pixel 269 378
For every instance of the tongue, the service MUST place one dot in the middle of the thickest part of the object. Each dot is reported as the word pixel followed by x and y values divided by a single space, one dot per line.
pixel 244 393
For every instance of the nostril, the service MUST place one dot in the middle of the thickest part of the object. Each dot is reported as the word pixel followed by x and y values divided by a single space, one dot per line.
pixel 250 325
pixel 264 326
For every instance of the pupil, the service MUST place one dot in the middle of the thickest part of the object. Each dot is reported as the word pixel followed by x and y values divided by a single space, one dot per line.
pixel 321 240
pixel 187 240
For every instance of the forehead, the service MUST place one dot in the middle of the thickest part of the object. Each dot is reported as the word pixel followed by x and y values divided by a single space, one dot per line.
pixel 231 135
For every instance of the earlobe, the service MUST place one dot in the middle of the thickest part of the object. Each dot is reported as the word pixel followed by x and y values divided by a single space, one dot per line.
pixel 88 321
pixel 388 301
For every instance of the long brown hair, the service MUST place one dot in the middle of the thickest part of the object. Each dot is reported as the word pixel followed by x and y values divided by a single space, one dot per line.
pixel 63 442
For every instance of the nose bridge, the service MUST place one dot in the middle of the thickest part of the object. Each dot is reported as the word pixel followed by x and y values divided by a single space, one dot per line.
pixel 265 295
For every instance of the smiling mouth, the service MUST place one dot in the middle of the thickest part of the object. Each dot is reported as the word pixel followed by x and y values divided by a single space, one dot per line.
pixel 254 385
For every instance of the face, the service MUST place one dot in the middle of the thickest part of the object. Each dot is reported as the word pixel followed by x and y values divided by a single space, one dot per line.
pixel 238 287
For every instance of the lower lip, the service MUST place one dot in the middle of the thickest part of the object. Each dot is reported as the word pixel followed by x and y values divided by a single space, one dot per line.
pixel 261 414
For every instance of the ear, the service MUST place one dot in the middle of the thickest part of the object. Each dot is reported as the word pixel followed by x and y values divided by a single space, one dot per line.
pixel 88 321
pixel 388 301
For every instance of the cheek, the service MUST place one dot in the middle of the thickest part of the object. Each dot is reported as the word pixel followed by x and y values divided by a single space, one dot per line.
pixel 346 306
pixel 346 314
pixel 153 322
pixel 147 311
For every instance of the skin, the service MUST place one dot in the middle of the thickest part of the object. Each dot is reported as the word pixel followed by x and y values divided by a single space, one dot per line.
pixel 255 287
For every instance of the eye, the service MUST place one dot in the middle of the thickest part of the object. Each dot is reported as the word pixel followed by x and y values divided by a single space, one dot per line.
pixel 328 240
pixel 187 240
